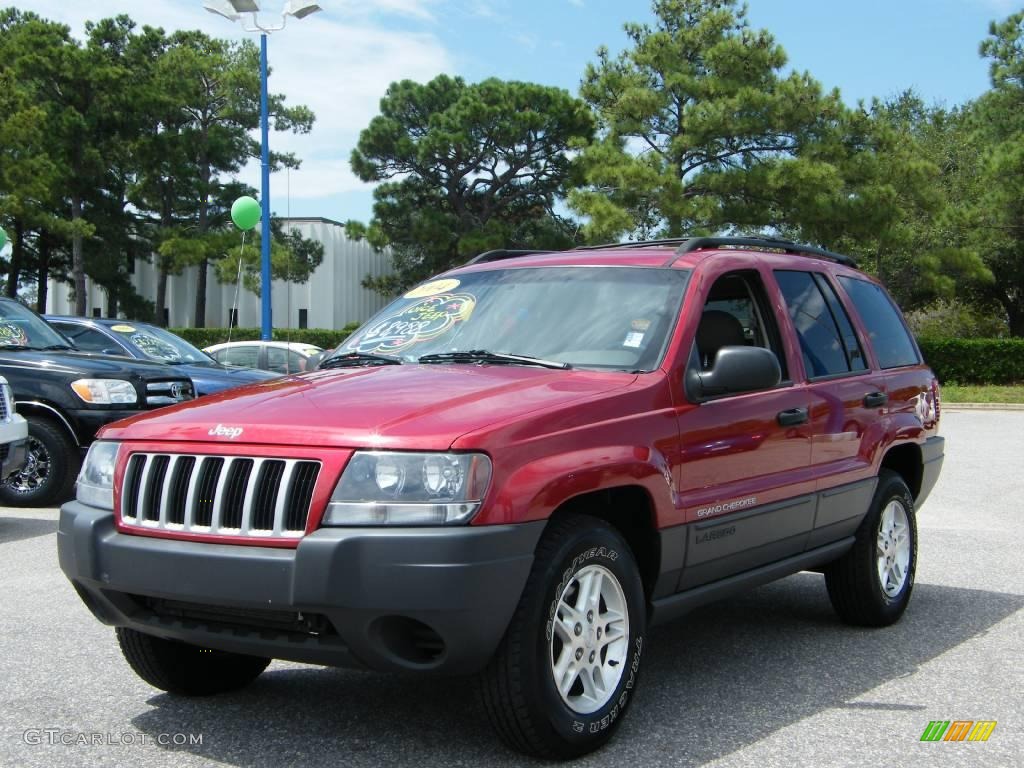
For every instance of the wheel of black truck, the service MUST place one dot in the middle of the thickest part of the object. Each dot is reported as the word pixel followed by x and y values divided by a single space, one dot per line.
pixel 51 466
pixel 184 669
pixel 871 584
pixel 566 670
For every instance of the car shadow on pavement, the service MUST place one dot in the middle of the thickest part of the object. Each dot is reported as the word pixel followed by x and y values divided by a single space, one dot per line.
pixel 722 678
pixel 18 528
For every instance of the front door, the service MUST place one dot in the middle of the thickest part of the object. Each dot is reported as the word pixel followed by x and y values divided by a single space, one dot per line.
pixel 745 480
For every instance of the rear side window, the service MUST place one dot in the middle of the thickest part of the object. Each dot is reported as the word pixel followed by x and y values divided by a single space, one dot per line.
pixel 827 341
pixel 888 334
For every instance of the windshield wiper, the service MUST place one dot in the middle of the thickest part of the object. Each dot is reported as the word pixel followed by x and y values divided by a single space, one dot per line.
pixel 30 348
pixel 352 359
pixel 485 356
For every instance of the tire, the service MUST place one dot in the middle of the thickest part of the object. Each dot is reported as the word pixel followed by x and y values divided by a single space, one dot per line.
pixel 870 585
pixel 184 669
pixel 51 468
pixel 518 689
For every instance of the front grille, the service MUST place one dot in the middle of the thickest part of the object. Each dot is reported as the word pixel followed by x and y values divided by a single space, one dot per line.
pixel 6 402
pixel 160 393
pixel 225 495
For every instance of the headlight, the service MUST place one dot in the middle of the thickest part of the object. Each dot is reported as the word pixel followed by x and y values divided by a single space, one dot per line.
pixel 105 391
pixel 386 488
pixel 96 480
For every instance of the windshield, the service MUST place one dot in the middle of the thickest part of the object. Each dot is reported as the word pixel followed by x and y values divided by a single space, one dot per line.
pixel 20 327
pixel 160 345
pixel 613 318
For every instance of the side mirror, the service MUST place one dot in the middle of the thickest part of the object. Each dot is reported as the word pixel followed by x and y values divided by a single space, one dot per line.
pixel 736 369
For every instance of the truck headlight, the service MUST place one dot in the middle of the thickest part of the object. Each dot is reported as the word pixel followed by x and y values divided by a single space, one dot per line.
pixel 95 485
pixel 105 391
pixel 392 488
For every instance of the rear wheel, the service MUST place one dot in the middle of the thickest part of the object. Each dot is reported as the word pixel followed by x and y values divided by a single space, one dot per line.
pixel 185 669
pixel 51 467
pixel 567 667
pixel 871 584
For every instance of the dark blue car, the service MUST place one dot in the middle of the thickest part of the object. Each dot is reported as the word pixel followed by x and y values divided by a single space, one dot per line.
pixel 149 342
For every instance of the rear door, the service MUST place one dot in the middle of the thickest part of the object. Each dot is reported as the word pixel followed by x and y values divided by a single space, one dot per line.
pixel 848 402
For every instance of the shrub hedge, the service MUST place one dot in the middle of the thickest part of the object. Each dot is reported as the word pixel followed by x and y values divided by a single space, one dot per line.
pixel 960 361
pixel 975 361
pixel 320 337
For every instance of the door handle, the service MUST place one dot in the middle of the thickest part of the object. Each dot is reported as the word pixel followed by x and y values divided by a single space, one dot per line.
pixel 875 399
pixel 792 417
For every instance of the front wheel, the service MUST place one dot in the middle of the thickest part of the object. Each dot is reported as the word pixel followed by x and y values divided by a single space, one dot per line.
pixel 567 667
pixel 871 584
pixel 51 467
pixel 185 669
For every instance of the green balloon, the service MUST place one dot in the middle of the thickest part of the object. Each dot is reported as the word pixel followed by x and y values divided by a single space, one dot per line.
pixel 245 212
pixel 3 239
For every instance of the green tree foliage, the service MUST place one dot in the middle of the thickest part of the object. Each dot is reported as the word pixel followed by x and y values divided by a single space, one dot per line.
pixel 997 215
pixel 293 258
pixel 880 189
pixel 199 134
pixel 695 118
pixel 114 146
pixel 466 168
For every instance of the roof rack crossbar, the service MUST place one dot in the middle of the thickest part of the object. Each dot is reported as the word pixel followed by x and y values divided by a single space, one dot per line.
pixel 696 243
pixel 502 253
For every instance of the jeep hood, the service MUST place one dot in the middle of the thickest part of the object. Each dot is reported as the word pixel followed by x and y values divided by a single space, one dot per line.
pixel 393 406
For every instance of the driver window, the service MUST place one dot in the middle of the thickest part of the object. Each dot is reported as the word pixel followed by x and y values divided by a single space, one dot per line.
pixel 737 313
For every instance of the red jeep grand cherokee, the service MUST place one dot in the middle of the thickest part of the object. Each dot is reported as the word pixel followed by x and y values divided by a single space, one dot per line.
pixel 514 469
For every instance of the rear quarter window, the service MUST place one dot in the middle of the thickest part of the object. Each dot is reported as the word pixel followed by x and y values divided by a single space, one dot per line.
pixel 886 330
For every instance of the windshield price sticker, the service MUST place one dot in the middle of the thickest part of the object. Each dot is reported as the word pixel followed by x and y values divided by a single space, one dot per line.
pixel 432 288
pixel 426 319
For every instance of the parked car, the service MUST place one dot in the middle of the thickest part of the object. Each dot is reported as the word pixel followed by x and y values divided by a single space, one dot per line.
pixel 65 396
pixel 277 356
pixel 144 341
pixel 13 433
pixel 516 468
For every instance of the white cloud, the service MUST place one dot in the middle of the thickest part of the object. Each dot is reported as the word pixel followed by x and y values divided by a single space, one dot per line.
pixel 339 63
pixel 577 3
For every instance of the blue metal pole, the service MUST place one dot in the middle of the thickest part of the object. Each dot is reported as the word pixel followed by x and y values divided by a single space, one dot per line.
pixel 265 279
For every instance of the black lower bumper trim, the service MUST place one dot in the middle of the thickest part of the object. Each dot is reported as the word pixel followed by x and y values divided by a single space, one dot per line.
pixel 427 599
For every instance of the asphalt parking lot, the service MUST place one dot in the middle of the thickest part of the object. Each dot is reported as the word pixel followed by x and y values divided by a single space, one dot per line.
pixel 766 679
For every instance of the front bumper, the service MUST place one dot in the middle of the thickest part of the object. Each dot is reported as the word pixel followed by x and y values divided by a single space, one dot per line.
pixel 420 599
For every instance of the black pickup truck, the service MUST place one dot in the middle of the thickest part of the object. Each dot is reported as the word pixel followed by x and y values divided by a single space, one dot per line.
pixel 65 396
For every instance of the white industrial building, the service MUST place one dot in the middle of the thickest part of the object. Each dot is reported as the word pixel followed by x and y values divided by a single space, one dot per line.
pixel 331 298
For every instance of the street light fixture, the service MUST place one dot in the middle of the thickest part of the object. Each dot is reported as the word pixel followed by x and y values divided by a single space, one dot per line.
pixel 232 10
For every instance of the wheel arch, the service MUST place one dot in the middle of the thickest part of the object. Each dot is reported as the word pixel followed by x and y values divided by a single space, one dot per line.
pixel 906 461
pixel 630 510
pixel 35 407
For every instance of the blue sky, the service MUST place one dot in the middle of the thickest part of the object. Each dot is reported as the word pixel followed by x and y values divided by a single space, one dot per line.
pixel 339 62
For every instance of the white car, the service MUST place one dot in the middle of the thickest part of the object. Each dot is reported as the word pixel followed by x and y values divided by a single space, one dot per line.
pixel 276 356
pixel 13 433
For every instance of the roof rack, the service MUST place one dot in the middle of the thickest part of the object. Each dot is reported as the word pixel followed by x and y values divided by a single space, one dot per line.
pixel 633 244
pixel 696 243
pixel 684 245
pixel 502 253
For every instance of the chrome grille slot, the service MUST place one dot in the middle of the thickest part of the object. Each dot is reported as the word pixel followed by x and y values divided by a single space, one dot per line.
pixel 227 495
pixel 153 484
pixel 180 479
pixel 265 501
pixel 209 474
